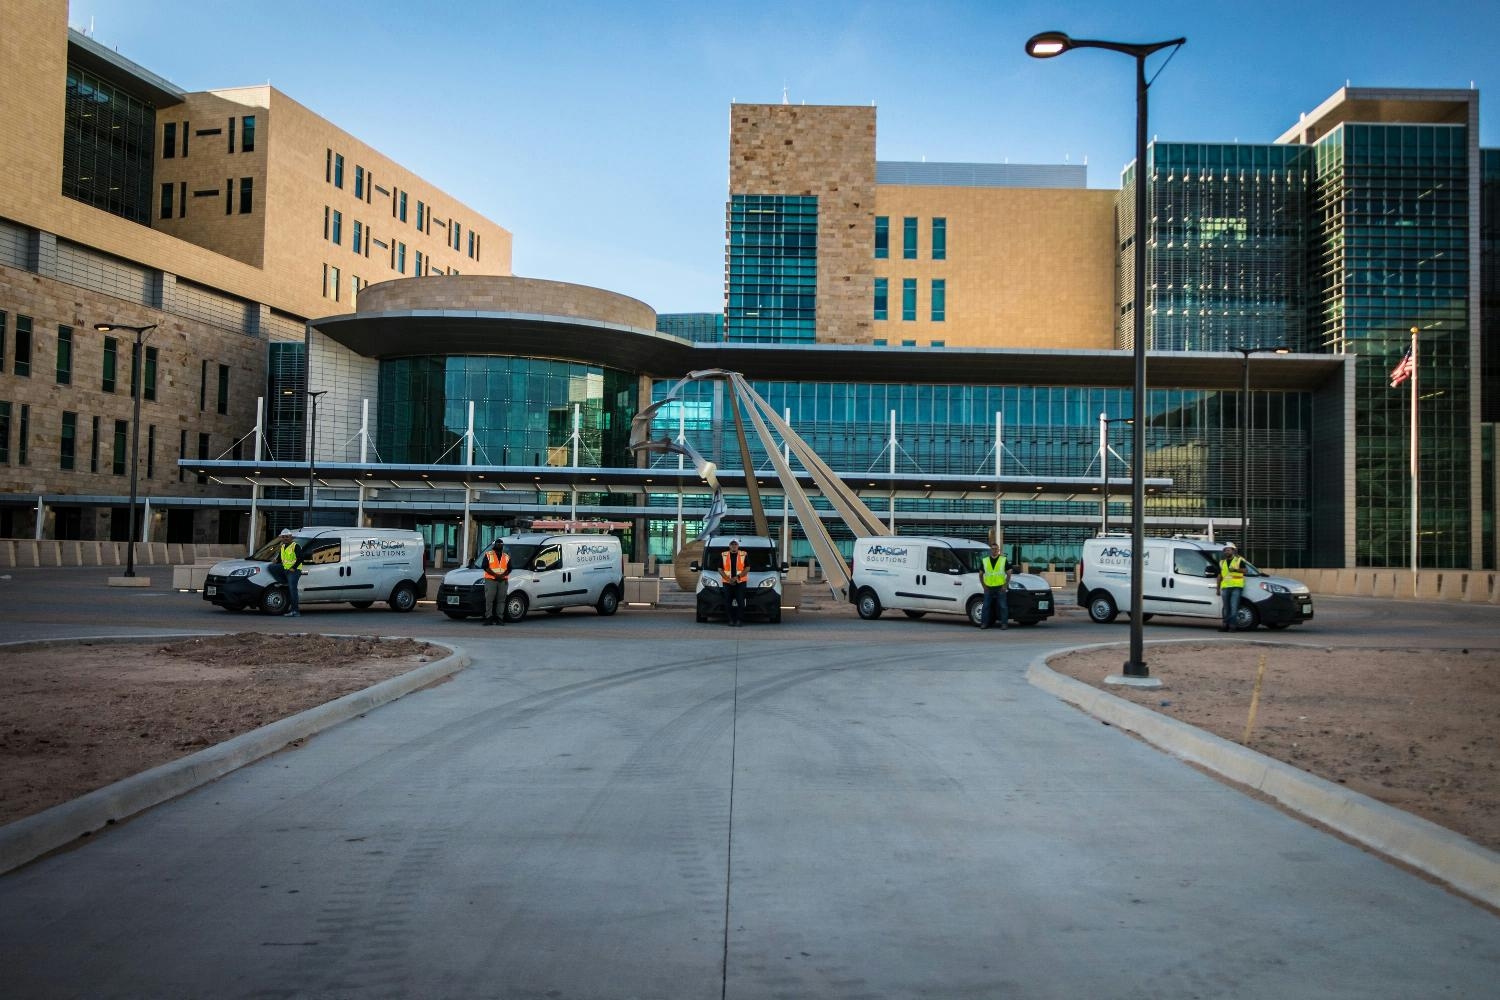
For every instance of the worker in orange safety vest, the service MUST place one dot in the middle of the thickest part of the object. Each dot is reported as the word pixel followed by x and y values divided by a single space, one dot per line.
pixel 496 582
pixel 734 573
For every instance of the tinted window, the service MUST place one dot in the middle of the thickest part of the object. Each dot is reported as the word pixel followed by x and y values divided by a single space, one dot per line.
pixel 942 560
pixel 1192 562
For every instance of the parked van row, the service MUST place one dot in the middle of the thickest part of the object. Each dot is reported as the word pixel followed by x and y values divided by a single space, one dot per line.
pixel 360 566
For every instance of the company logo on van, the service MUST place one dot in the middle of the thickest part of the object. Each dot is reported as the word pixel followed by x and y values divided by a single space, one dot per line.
pixel 1114 555
pixel 595 553
pixel 887 553
pixel 381 545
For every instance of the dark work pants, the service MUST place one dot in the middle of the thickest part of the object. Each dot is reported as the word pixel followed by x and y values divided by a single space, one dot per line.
pixel 996 606
pixel 494 599
pixel 734 601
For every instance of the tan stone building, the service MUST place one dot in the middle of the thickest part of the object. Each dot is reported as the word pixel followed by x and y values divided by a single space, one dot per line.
pixel 224 220
pixel 828 245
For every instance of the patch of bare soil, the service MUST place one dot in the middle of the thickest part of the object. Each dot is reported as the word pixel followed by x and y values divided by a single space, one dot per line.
pixel 1416 729
pixel 77 717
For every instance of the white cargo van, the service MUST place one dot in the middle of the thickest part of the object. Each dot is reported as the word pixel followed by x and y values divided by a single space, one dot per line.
pixel 1180 577
pixel 547 573
pixel 357 565
pixel 916 575
pixel 762 592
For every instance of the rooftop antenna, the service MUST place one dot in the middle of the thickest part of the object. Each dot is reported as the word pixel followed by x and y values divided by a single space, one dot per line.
pixel 783 95
pixel 90 34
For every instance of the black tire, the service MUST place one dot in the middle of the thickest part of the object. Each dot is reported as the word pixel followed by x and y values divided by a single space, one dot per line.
pixel 1102 609
pixel 457 616
pixel 273 601
pixel 1246 618
pixel 609 601
pixel 1146 618
pixel 868 605
pixel 515 607
pixel 975 611
pixel 915 614
pixel 362 605
pixel 1278 626
pixel 404 597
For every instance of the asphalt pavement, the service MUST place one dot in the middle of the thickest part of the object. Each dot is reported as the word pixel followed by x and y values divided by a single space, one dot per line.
pixel 640 806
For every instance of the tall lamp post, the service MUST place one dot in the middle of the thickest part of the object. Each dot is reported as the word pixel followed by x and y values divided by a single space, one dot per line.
pixel 137 389
pixel 1245 353
pixel 1045 46
pixel 1104 423
pixel 312 441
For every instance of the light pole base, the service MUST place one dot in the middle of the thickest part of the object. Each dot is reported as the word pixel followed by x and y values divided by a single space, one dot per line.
pixel 1117 680
pixel 130 581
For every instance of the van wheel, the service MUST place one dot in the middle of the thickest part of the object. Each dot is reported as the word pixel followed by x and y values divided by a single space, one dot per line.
pixel 404 597
pixel 362 605
pixel 1246 617
pixel 515 607
pixel 273 601
pixel 609 602
pixel 914 614
pixel 868 605
pixel 1102 608
pixel 1147 618
pixel 975 610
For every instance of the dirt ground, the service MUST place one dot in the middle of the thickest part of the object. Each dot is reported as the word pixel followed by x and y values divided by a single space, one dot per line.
pixel 1416 729
pixel 77 717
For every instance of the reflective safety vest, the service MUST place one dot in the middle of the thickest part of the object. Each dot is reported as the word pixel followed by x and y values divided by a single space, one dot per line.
pixel 496 565
pixel 289 560
pixel 738 573
pixel 1232 572
pixel 994 571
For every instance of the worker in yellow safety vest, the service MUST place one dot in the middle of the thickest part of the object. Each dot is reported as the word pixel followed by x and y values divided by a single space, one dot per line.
pixel 734 573
pixel 996 593
pixel 289 558
pixel 1231 585
pixel 496 564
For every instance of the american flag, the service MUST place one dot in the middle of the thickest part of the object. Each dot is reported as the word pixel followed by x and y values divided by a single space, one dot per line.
pixel 1404 369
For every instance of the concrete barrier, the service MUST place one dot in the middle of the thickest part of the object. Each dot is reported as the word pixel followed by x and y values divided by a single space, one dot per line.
pixel 189 577
pixel 1477 590
pixel 791 596
pixel 1427 586
pixel 175 555
pixel 7 553
pixel 643 590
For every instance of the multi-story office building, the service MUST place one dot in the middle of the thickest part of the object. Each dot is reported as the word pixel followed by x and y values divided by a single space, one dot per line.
pixel 221 219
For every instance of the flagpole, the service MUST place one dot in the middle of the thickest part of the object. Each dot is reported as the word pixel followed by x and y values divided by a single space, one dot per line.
pixel 1415 463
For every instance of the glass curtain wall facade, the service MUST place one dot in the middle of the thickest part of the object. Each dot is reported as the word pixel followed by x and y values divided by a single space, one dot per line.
pixel 1192 437
pixel 772 288
pixel 697 327
pixel 108 147
pixel 1226 263
pixel 1489 271
pixel 523 411
pixel 1392 253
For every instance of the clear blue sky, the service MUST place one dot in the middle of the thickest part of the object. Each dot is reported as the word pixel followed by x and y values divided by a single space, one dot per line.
pixel 597 132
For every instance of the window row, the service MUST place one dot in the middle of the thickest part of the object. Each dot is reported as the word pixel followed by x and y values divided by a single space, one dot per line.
pixel 174 197
pixel 938 232
pixel 113 435
pixel 364 189
pixel 937 299
pixel 174 136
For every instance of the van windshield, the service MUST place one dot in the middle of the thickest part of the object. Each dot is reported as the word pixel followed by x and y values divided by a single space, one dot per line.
pixel 756 560
pixel 267 552
pixel 520 556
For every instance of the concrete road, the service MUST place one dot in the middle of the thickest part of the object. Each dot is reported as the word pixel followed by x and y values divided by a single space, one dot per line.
pixel 643 807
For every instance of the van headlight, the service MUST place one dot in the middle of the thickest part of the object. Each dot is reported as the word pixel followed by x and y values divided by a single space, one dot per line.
pixel 710 582
pixel 768 583
pixel 1274 588
pixel 246 571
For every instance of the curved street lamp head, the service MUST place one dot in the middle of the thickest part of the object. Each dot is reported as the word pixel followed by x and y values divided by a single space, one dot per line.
pixel 1046 44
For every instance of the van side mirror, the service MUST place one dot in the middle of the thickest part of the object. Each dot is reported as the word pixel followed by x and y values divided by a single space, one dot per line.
pixel 693 566
pixel 785 567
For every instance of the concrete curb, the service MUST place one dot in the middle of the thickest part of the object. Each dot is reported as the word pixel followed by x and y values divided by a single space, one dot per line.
pixel 1430 848
pixel 29 838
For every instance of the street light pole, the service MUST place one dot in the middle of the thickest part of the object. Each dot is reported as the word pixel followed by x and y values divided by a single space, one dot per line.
pixel 1045 46
pixel 1245 353
pixel 137 389
pixel 312 441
